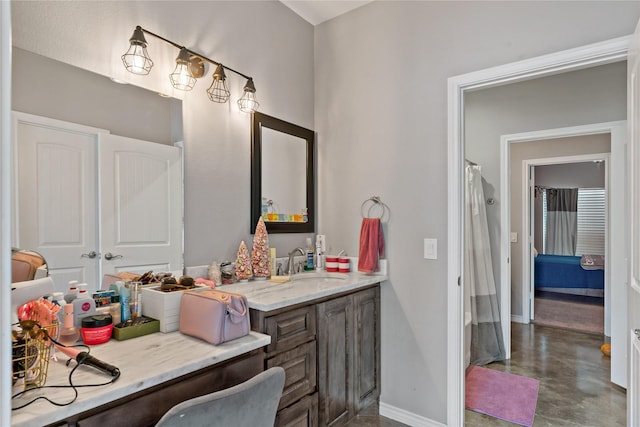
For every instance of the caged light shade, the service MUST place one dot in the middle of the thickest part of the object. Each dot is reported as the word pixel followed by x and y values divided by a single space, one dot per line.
pixel 136 60
pixel 219 91
pixel 248 102
pixel 181 77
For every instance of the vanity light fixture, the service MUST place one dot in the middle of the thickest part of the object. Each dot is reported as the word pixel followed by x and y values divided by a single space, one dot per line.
pixel 248 102
pixel 181 77
pixel 218 91
pixel 189 67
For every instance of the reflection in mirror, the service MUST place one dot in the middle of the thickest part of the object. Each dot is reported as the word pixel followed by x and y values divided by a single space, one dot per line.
pixel 27 265
pixel 284 187
pixel 76 246
pixel 282 175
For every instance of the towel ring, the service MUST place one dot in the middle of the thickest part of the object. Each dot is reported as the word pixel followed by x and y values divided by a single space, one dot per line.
pixel 371 203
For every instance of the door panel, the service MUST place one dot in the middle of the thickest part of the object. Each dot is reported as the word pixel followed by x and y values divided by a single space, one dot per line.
pixel 141 205
pixel 56 199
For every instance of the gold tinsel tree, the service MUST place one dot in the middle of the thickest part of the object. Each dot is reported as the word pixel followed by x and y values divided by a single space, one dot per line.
pixel 243 263
pixel 260 251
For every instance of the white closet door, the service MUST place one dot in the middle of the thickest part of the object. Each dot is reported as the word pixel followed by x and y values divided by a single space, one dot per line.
pixel 633 112
pixel 141 205
pixel 56 212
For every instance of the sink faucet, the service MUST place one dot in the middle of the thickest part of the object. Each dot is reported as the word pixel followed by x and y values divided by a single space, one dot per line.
pixel 290 267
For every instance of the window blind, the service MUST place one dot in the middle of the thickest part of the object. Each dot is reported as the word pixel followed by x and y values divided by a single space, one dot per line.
pixel 591 221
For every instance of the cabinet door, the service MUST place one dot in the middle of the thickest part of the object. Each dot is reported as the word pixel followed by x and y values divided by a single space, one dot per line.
pixel 366 307
pixel 335 361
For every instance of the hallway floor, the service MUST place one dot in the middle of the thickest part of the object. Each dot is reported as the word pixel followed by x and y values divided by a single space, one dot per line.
pixel 574 379
pixel 575 390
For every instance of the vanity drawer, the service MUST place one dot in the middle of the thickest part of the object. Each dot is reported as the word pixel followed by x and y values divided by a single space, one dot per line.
pixel 290 329
pixel 300 372
pixel 303 413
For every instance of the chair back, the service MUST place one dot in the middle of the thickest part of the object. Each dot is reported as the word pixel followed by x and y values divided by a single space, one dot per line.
pixel 253 403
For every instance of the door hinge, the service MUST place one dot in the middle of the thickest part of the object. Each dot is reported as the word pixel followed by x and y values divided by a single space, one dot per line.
pixel 459 279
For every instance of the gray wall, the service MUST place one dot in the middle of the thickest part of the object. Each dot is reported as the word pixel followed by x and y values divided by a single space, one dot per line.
pixel 381 116
pixel 376 80
pixel 49 88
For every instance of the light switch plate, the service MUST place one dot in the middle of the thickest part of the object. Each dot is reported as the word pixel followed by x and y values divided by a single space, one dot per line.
pixel 430 248
pixel 514 237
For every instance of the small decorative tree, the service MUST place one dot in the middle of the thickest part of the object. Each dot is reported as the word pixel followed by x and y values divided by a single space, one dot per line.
pixel 260 251
pixel 243 263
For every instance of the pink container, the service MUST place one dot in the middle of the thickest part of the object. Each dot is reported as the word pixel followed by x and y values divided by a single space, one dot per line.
pixel 332 263
pixel 344 264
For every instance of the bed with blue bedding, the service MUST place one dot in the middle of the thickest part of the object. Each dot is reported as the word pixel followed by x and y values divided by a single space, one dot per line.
pixel 566 274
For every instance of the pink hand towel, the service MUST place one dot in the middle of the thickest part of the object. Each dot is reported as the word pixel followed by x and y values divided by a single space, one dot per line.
pixel 371 245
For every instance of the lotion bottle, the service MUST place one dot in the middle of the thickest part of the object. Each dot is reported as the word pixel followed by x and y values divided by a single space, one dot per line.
pixel 83 306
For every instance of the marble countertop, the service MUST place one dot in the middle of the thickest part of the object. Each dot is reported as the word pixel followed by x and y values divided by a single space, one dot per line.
pixel 266 296
pixel 143 362
pixel 153 359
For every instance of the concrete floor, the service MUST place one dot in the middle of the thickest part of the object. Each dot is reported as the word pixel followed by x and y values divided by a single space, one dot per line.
pixel 575 389
pixel 574 381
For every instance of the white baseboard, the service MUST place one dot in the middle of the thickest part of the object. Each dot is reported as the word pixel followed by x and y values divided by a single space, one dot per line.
pixel 518 319
pixel 406 417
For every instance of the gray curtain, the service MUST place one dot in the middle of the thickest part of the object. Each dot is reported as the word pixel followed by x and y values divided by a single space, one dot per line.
pixel 481 301
pixel 562 221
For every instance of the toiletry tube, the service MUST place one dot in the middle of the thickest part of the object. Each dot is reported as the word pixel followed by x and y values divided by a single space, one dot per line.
pixel 332 263
pixel 344 264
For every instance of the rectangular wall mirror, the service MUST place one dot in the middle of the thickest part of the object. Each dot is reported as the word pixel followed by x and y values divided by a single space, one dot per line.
pixel 282 175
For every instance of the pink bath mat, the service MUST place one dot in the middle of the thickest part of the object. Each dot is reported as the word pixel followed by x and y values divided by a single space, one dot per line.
pixel 501 395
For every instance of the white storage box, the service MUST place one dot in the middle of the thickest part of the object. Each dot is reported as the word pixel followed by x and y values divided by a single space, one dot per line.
pixel 164 306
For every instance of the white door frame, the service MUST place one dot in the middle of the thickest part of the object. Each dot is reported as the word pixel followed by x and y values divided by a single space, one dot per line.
pixel 569 60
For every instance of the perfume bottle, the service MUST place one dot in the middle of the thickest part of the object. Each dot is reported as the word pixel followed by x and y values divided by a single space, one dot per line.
pixel 69 334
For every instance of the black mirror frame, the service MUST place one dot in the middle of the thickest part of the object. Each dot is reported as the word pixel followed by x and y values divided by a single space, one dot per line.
pixel 258 121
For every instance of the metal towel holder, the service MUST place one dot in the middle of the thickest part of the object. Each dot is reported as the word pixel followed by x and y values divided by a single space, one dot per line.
pixel 371 203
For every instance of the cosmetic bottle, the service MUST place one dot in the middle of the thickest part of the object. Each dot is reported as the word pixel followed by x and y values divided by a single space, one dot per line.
pixel 125 310
pixel 69 334
pixel 114 309
pixel 83 306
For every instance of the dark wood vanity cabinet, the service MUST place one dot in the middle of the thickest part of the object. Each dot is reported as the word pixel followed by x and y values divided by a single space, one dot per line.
pixel 330 350
pixel 348 355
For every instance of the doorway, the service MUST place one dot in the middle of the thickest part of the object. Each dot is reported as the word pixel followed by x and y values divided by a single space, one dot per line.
pixel 567 284
pixel 513 255
pixel 592 55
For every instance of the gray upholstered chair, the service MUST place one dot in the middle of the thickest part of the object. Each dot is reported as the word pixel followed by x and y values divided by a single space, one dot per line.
pixel 253 403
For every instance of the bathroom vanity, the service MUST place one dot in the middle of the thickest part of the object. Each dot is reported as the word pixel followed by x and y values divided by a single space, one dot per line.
pixel 323 329
pixel 325 333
